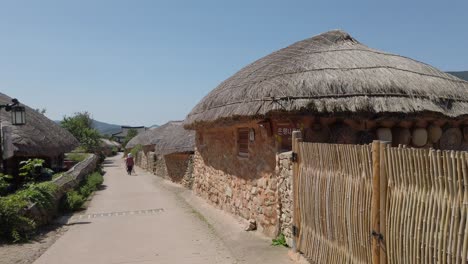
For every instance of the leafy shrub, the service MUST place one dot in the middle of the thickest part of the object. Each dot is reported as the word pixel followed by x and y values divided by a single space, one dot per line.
pixel 30 169
pixel 85 190
pixel 95 179
pixel 5 184
pixel 73 201
pixel 40 193
pixel 13 225
pixel 115 150
pixel 136 149
pixel 279 241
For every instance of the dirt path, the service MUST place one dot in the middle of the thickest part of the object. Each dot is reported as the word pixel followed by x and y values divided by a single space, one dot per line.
pixel 28 252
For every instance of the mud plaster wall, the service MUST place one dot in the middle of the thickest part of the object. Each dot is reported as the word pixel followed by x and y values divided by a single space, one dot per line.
pixel 177 165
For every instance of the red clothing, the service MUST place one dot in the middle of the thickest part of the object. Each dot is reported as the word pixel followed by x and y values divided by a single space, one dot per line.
pixel 129 161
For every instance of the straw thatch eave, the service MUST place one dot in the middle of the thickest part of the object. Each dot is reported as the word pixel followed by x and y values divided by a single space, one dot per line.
pixel 333 73
pixel 142 139
pixel 173 138
pixel 39 137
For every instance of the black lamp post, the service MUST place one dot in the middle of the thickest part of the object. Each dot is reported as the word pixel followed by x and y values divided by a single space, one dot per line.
pixel 18 117
pixel 18 113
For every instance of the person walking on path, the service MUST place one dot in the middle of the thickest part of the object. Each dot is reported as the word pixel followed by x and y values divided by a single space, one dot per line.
pixel 129 163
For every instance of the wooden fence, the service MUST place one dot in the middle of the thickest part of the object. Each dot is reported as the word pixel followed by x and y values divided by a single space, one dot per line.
pixel 378 204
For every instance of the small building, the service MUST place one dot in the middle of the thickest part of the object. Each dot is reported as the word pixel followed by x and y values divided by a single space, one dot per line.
pixel 332 88
pixel 167 152
pixel 109 147
pixel 40 138
pixel 120 137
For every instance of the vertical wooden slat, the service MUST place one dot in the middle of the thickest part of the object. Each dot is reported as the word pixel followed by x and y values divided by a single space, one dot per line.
pixel 383 183
pixel 296 138
pixel 375 201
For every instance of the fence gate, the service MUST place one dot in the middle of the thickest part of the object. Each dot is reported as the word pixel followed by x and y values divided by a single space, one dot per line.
pixel 332 188
pixel 378 204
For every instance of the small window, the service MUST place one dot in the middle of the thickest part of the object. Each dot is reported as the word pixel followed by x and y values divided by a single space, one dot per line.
pixel 243 141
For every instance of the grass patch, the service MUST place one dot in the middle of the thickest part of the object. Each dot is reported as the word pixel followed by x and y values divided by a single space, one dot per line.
pixel 77 157
pixel 75 199
pixel 279 241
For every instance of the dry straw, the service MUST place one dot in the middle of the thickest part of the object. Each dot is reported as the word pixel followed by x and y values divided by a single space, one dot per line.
pixel 166 139
pixel 39 137
pixel 333 73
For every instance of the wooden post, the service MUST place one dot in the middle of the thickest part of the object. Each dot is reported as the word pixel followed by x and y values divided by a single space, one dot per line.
pixel 375 219
pixel 296 139
pixel 383 182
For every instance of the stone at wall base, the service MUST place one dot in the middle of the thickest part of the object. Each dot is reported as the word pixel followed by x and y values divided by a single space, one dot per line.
pixel 297 257
pixel 251 226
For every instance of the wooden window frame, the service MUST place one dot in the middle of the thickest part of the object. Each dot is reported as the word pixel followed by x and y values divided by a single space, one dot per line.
pixel 243 142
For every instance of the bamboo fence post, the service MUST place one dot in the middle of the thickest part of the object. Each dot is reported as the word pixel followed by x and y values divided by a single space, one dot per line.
pixel 383 182
pixel 296 139
pixel 375 219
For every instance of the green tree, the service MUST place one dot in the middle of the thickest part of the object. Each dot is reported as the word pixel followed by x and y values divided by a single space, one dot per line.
pixel 80 125
pixel 130 134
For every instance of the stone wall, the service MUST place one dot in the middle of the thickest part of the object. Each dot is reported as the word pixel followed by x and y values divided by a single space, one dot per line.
pixel 145 160
pixel 243 185
pixel 187 180
pixel 151 156
pixel 160 168
pixel 141 159
pixel 285 206
pixel 68 181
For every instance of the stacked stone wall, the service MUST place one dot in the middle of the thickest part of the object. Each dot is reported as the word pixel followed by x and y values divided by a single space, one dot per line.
pixel 160 168
pixel 187 180
pixel 244 186
pixel 285 208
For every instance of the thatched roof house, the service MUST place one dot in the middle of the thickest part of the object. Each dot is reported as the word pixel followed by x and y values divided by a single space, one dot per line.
pixel 142 138
pixel 120 136
pixel 172 138
pixel 166 139
pixel 335 90
pixel 40 137
pixel 166 151
pixel 109 147
pixel 333 73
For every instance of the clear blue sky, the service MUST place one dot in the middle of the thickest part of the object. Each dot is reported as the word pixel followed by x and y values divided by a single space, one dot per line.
pixel 140 62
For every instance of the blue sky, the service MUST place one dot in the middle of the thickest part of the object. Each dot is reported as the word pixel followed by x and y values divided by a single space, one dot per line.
pixel 146 62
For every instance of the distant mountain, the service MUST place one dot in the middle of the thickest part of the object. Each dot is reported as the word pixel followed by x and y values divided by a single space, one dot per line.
pixel 105 128
pixel 108 129
pixel 461 74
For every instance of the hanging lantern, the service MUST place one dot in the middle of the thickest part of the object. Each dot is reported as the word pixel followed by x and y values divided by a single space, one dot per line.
pixel 18 115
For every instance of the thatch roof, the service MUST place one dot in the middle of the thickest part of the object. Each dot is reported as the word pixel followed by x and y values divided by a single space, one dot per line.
pixel 168 138
pixel 142 138
pixel 39 137
pixel 333 73
pixel 110 143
